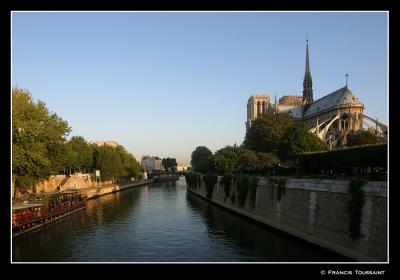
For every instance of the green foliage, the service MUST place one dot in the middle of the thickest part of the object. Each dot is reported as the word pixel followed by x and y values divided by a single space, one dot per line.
pixel 115 162
pixel 37 138
pixel 198 175
pixel 108 162
pixel 233 198
pixel 40 148
pixel 192 180
pixel 226 181
pixel 187 178
pixel 354 207
pixel 265 162
pixel 253 183
pixel 280 184
pixel 226 160
pixel 210 179
pixel 298 139
pixel 266 133
pixel 239 160
pixel 242 184
pixel 364 156
pixel 279 135
pixel 79 154
pixel 363 137
pixel 201 159
pixel 169 163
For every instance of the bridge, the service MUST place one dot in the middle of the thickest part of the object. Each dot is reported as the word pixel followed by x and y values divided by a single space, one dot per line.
pixel 169 175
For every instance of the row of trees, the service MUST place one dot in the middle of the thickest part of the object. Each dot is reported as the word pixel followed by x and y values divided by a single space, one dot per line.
pixel 40 147
pixel 271 141
pixel 268 142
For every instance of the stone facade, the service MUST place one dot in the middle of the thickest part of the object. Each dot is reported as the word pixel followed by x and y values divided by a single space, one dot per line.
pixel 294 100
pixel 258 105
pixel 78 181
pixel 151 163
pixel 316 211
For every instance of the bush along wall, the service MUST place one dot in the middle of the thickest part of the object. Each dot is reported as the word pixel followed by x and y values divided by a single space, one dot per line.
pixel 246 187
pixel 210 179
pixel 242 182
pixel 187 178
pixel 355 206
pixel 226 181
pixel 280 184
pixel 253 182
pixel 192 180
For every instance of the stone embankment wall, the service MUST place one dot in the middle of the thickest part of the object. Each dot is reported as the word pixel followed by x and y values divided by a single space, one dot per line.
pixel 61 183
pixel 110 188
pixel 49 185
pixel 316 211
pixel 78 181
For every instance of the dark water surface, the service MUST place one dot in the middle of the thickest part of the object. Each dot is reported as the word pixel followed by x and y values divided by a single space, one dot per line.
pixel 161 223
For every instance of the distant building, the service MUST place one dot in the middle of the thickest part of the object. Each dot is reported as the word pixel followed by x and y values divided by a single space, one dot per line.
pixel 151 163
pixel 182 167
pixel 101 143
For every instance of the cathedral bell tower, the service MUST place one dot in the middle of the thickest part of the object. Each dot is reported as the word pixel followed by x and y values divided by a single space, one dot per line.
pixel 307 83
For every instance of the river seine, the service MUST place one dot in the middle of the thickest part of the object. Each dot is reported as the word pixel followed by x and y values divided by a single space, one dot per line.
pixel 161 222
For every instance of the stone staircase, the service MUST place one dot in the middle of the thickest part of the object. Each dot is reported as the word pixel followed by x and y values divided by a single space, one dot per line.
pixel 62 183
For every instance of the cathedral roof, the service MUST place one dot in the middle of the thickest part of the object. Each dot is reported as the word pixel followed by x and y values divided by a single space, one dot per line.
pixel 341 98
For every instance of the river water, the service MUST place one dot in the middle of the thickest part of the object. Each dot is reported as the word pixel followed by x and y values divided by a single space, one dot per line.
pixel 161 222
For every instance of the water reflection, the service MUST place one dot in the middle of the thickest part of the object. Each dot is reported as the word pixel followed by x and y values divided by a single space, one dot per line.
pixel 256 242
pixel 57 240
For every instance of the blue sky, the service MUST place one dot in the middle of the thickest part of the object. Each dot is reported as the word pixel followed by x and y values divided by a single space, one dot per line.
pixel 164 83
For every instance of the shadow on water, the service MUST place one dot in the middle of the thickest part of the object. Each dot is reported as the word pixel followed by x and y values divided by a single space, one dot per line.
pixel 258 242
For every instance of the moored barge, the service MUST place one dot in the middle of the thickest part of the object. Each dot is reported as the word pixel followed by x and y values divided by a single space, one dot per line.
pixel 27 217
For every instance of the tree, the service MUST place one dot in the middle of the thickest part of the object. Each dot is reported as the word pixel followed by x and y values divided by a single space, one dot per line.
pixel 226 159
pixel 37 139
pixel 265 133
pixel 130 166
pixel 169 163
pixel 236 160
pixel 246 162
pixel 298 139
pixel 363 137
pixel 79 154
pixel 201 159
pixel 266 161
pixel 109 162
pixel 115 162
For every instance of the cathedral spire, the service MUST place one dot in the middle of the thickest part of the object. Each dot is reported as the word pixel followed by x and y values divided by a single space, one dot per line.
pixel 307 83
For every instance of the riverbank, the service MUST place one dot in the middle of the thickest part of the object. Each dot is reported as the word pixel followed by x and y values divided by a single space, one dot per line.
pixel 94 192
pixel 315 211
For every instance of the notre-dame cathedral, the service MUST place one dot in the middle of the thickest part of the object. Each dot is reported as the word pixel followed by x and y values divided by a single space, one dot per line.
pixel 331 117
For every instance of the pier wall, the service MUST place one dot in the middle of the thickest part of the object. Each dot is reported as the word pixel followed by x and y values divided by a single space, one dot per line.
pixel 316 211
